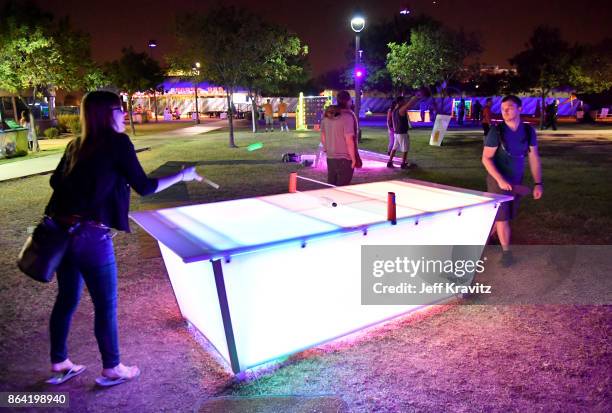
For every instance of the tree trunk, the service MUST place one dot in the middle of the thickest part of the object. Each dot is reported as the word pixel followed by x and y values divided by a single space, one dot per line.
pixel 51 93
pixel 542 108
pixel 155 103
pixel 130 114
pixel 32 125
pixel 230 118
pixel 17 115
pixel 253 112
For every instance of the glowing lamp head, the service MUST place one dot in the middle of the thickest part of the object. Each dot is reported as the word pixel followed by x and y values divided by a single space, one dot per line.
pixel 357 24
pixel 152 44
pixel 360 72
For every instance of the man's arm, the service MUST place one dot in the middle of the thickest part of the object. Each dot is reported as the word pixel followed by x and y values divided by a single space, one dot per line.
pixel 536 171
pixel 404 108
pixel 323 139
pixel 350 147
pixel 487 160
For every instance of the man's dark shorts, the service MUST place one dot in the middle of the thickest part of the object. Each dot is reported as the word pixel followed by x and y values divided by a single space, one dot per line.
pixel 339 171
pixel 507 211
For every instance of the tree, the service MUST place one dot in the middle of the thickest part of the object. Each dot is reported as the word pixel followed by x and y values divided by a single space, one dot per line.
pixel 38 53
pixel 591 71
pixel 275 64
pixel 79 71
pixel 134 72
pixel 373 41
pixel 433 57
pixel 298 80
pixel 236 48
pixel 28 60
pixel 545 64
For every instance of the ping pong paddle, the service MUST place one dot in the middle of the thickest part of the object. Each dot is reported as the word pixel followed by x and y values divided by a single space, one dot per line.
pixel 211 183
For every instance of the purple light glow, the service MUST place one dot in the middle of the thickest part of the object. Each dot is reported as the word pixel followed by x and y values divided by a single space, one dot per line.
pixel 368 164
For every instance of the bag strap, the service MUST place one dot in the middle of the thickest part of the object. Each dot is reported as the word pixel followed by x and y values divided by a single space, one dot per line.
pixel 525 140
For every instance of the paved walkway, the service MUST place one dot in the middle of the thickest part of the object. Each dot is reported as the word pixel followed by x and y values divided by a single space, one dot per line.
pixel 198 129
pixel 45 164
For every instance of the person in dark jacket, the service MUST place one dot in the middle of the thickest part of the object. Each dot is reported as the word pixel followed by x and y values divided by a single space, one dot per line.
pixel 551 115
pixel 461 111
pixel 476 112
pixel 91 194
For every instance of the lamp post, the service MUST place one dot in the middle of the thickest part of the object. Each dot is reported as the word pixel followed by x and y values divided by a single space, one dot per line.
pixel 196 72
pixel 357 25
pixel 153 45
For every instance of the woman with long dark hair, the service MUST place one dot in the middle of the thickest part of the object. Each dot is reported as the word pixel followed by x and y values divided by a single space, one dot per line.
pixel 91 194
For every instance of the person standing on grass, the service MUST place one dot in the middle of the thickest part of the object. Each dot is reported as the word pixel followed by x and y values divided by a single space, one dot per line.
pixel 551 115
pixel 269 115
pixel 339 140
pixel 282 115
pixel 24 122
pixel 461 111
pixel 476 111
pixel 505 149
pixel 91 193
pixel 401 124
pixel 487 116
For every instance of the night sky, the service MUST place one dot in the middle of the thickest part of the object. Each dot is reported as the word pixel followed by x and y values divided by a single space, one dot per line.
pixel 324 25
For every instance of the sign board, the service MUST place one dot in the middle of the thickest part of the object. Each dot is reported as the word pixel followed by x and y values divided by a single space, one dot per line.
pixel 439 129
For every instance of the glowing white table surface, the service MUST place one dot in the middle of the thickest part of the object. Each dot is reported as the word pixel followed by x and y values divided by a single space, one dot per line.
pixel 269 276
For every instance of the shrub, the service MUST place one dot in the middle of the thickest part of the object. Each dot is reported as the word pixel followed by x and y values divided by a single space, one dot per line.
pixel 65 123
pixel 74 126
pixel 51 133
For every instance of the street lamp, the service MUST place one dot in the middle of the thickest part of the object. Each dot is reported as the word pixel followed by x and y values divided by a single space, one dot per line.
pixel 357 25
pixel 196 72
pixel 152 45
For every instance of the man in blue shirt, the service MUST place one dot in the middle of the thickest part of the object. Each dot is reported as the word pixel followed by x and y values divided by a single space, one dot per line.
pixel 506 147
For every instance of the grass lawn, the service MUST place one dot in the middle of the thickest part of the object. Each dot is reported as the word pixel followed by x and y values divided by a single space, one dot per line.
pixel 32 155
pixel 574 209
pixel 462 358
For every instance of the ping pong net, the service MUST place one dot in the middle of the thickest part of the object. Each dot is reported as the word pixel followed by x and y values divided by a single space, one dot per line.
pixel 347 206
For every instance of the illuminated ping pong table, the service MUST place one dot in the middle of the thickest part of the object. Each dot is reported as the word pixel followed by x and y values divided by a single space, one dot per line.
pixel 266 277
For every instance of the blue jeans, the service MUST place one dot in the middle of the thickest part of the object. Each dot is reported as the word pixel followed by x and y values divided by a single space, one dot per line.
pixel 90 257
